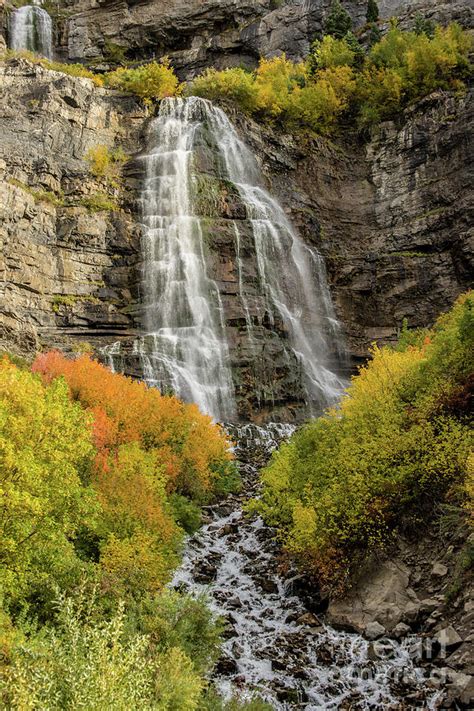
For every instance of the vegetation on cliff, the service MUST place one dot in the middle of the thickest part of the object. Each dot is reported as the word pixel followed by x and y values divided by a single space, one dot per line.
pixel 399 445
pixel 99 475
pixel 341 83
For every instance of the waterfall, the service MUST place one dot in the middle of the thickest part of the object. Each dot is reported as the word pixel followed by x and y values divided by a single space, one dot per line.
pixel 31 29
pixel 292 274
pixel 185 346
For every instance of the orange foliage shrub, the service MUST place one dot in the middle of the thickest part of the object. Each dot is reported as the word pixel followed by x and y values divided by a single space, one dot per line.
pixel 148 446
pixel 192 450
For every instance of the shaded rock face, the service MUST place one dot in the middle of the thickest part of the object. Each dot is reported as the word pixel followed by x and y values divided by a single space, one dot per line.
pixel 391 216
pixel 197 33
pixel 67 272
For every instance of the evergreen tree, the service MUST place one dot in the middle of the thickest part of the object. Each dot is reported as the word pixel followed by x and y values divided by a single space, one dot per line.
pixel 424 26
pixel 375 35
pixel 338 21
pixel 372 11
pixel 354 44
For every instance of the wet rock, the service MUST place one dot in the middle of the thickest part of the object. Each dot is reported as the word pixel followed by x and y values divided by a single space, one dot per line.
pixel 268 585
pixel 374 630
pixel 205 572
pixel 235 603
pixel 309 619
pixel 226 666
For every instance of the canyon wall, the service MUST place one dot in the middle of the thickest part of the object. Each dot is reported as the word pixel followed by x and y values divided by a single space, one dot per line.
pixel 391 217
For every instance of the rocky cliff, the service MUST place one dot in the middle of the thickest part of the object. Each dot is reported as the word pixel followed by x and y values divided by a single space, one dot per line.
pixel 199 33
pixel 68 267
pixel 391 216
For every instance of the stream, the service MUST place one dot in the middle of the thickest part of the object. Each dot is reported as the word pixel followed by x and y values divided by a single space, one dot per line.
pixel 274 648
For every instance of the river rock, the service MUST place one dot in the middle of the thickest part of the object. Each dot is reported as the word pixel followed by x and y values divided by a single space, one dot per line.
pixel 374 630
pixel 383 597
pixel 226 666
pixel 439 570
pixel 309 619
pixel 448 638
pixel 401 630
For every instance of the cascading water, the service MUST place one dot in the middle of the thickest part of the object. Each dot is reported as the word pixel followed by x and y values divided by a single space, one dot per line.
pixel 272 647
pixel 292 275
pixel 31 29
pixel 185 346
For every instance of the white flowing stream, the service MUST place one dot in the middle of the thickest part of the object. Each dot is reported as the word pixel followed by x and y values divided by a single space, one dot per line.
pixel 270 650
pixel 31 28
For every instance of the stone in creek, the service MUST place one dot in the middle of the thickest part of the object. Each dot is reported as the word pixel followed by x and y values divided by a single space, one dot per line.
pixel 308 619
pixel 204 572
pixel 267 585
pixel 235 603
pixel 228 528
pixel 293 696
pixel 226 666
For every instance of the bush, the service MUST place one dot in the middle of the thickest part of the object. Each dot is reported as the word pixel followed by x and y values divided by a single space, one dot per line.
pixel 330 52
pixel 398 445
pixel 46 455
pixel 338 82
pixel 153 81
pixel 88 661
pixel 235 85
pixel 106 163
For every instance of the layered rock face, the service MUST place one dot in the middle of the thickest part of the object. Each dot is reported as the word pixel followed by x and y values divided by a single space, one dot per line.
pixel 67 268
pixel 197 33
pixel 391 216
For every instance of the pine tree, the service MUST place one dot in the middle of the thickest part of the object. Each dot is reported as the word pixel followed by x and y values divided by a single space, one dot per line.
pixel 372 11
pixel 424 26
pixel 338 21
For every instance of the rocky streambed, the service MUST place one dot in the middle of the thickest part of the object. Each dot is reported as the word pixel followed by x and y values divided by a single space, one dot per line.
pixel 274 646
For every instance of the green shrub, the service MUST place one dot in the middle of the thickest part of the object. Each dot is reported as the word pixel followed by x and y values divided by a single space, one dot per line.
pixel 99 202
pixel 339 83
pixel 153 81
pixel 330 52
pixel 106 163
pixel 186 512
pixel 235 85
pixel 88 661
pixel 398 445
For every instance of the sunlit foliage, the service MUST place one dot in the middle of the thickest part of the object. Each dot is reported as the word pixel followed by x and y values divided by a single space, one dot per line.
pixel 46 454
pixel 152 81
pixel 339 83
pixel 398 444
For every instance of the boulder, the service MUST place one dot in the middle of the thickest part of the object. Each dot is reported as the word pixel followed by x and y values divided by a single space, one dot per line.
pixel 374 630
pixel 439 570
pixel 383 596
pixel 448 639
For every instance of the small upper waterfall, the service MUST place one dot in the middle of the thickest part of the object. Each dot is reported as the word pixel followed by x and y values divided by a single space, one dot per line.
pixel 31 29
pixel 286 307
